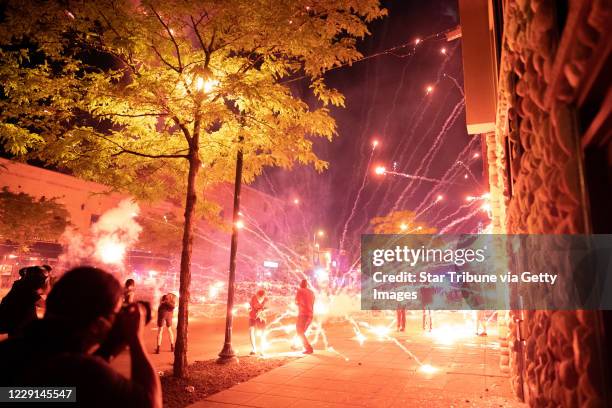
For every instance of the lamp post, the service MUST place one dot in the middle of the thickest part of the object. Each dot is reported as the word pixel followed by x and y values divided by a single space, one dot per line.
pixel 227 354
pixel 205 83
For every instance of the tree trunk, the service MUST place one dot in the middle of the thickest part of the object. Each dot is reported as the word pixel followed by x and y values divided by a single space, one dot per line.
pixel 180 350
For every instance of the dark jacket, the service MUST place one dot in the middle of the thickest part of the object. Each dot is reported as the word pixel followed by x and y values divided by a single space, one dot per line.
pixel 18 308
pixel 46 354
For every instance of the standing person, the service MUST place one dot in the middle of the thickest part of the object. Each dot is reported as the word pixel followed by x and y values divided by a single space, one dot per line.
pixel 129 291
pixel 426 301
pixel 257 321
pixel 165 312
pixel 18 307
pixel 401 318
pixel 83 309
pixel 481 320
pixel 305 299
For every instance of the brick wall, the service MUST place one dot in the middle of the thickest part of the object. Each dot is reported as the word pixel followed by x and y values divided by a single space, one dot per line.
pixel 537 185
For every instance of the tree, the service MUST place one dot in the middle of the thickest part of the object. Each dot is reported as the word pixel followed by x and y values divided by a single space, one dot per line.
pixel 144 95
pixel 400 222
pixel 161 236
pixel 25 219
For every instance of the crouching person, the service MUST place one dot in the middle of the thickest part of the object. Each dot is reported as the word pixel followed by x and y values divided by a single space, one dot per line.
pixel 84 310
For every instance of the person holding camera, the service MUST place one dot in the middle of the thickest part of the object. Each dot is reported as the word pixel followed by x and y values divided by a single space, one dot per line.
pixel 165 312
pixel 18 307
pixel 84 315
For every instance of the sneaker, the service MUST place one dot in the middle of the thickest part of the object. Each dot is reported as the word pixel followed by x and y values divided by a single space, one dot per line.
pixel 309 351
pixel 252 353
pixel 483 334
pixel 157 350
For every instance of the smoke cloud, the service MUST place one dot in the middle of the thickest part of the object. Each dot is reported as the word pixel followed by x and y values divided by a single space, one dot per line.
pixel 107 242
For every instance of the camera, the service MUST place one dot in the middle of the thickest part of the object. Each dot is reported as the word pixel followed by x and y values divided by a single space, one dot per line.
pixel 116 341
pixel 147 307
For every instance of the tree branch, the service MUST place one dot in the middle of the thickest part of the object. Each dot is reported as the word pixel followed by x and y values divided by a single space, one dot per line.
pixel 184 130
pixel 150 156
pixel 164 60
pixel 135 153
pixel 127 115
pixel 197 33
pixel 176 47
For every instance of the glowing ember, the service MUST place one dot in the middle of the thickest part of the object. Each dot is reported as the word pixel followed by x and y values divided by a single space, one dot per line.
pixel 403 227
pixel 109 251
pixel 296 201
pixel 476 155
pixel 417 41
pixel 213 291
pixel 360 338
pixel 239 224
pixel 321 274
pixel 443 50
pixel 296 342
pixel 265 345
pixel 380 170
pixel 374 143
pixel 440 197
pixel 429 89
pixel 427 369
pixel 381 332
pixel 320 308
pixel 448 334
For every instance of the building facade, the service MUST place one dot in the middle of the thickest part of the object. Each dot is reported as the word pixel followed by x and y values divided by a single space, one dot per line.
pixel 545 115
pixel 266 219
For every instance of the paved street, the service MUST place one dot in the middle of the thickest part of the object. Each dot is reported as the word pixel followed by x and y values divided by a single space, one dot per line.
pixel 205 342
pixel 455 369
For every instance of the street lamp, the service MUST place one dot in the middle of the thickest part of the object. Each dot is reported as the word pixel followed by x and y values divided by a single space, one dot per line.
pixel 227 354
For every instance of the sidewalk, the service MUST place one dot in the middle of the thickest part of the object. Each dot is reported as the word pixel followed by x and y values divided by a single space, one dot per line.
pixel 461 373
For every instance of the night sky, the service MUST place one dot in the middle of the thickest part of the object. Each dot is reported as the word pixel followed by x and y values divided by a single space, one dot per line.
pixel 386 100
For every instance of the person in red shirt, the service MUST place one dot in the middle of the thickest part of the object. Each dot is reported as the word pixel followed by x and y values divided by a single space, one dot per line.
pixel 401 318
pixel 305 299
pixel 427 294
pixel 257 320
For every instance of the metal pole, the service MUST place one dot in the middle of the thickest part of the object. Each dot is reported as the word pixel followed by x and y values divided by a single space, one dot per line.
pixel 227 354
